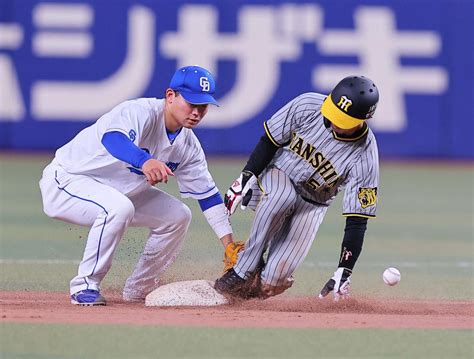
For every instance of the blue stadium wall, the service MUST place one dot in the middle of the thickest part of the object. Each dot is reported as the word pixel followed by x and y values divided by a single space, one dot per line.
pixel 64 63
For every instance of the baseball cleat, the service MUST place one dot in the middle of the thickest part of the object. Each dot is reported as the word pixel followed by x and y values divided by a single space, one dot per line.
pixel 229 283
pixel 88 297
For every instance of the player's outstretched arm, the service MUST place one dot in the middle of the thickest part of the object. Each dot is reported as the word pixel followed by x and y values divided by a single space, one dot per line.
pixel 351 248
pixel 215 213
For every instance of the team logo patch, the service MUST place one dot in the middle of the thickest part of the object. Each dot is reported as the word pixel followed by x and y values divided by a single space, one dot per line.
pixel 371 111
pixel 367 196
pixel 132 135
pixel 344 103
pixel 204 83
pixel 345 255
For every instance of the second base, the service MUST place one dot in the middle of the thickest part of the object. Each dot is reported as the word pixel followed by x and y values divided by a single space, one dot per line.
pixel 188 293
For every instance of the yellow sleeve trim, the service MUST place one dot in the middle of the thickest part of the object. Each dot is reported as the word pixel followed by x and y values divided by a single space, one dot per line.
pixel 358 215
pixel 260 185
pixel 269 135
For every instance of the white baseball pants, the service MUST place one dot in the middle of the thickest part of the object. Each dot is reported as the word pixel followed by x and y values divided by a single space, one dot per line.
pixel 82 200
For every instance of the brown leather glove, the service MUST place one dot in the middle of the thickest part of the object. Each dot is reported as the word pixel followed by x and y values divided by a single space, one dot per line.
pixel 231 254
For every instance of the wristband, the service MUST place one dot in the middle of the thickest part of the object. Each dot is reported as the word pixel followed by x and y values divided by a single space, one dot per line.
pixel 218 220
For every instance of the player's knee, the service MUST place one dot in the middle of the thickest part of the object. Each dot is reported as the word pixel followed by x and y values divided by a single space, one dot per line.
pixel 49 210
pixel 50 207
pixel 183 215
pixel 122 211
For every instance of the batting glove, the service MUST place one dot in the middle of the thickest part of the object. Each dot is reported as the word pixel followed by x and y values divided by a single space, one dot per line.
pixel 339 284
pixel 239 192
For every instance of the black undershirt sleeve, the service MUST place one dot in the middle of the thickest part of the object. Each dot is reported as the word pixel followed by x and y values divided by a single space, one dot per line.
pixel 261 156
pixel 352 242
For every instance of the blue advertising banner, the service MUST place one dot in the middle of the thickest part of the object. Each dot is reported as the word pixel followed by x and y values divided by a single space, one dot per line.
pixel 65 63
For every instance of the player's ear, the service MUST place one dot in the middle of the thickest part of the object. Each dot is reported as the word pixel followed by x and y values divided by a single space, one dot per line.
pixel 170 95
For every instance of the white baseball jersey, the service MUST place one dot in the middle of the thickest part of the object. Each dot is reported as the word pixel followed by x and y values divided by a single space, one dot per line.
pixel 86 185
pixel 141 120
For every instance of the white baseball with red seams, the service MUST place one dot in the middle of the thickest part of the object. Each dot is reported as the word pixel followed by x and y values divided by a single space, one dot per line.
pixel 391 276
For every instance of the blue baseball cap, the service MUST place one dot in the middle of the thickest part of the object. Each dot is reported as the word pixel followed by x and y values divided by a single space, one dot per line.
pixel 195 84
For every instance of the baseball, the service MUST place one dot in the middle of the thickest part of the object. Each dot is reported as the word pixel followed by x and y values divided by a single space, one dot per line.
pixel 391 276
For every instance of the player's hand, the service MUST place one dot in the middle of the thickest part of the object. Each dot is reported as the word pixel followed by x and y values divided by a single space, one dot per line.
pixel 156 171
pixel 339 284
pixel 239 192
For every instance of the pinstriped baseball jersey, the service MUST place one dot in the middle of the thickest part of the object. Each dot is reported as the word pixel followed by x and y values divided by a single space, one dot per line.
pixel 320 162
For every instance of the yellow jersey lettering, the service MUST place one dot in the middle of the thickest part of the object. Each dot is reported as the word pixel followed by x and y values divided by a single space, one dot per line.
pixel 313 183
pixel 297 145
pixel 316 159
pixel 308 151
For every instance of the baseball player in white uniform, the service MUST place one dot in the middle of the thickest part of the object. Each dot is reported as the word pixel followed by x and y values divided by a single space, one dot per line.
pixel 104 178
pixel 315 146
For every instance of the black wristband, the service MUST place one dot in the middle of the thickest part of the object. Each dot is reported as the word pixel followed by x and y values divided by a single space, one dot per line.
pixel 261 156
pixel 352 243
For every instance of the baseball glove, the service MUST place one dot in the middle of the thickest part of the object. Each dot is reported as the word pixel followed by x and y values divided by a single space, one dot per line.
pixel 231 254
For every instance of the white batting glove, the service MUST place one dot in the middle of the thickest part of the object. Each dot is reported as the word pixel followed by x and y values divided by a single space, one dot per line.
pixel 239 192
pixel 339 284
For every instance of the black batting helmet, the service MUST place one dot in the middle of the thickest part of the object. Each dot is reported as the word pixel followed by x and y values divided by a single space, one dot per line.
pixel 351 102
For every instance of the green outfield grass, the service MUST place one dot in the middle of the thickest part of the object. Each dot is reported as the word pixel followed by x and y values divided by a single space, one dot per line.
pixel 424 227
pixel 107 341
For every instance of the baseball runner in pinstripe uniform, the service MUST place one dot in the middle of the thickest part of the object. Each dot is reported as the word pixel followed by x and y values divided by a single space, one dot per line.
pixel 104 178
pixel 313 147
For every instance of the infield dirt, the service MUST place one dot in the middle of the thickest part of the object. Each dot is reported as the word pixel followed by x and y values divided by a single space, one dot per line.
pixel 276 312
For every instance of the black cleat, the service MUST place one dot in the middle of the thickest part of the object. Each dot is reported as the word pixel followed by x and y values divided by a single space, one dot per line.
pixel 230 283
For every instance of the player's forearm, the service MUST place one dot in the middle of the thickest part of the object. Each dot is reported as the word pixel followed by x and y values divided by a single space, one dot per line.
pixel 120 146
pixel 261 156
pixel 351 247
pixel 227 239
pixel 214 212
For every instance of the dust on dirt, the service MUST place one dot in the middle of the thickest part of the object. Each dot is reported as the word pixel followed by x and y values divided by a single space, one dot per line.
pixel 283 311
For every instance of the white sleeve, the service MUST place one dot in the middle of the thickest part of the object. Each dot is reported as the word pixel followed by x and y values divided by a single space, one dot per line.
pixel 128 118
pixel 194 179
pixel 360 193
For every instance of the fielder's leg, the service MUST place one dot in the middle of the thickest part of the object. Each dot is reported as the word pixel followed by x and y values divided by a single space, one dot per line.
pixel 81 200
pixel 168 220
